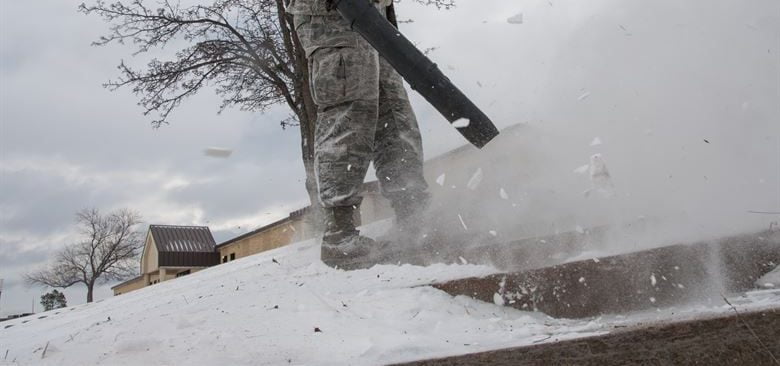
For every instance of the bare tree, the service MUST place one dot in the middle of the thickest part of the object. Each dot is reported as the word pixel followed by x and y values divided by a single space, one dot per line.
pixel 108 252
pixel 246 49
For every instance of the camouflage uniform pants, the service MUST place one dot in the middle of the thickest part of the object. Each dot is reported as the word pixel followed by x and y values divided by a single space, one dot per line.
pixel 364 115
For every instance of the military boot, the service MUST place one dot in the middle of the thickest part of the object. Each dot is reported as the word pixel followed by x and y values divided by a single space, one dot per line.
pixel 342 245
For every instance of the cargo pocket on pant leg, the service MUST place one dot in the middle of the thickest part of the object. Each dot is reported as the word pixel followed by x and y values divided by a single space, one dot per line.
pixel 343 74
pixel 328 76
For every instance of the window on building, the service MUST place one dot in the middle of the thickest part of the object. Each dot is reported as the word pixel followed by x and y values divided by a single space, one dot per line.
pixel 184 273
pixel 232 256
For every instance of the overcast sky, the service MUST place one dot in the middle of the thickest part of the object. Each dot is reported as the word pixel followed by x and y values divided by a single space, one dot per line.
pixel 679 71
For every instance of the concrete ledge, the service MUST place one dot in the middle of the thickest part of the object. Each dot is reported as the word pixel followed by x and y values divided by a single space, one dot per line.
pixel 649 279
pixel 744 339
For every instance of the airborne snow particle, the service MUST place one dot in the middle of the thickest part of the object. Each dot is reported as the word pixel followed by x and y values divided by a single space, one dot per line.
pixel 349 167
pixel 596 142
pixel 579 229
pixel 461 123
pixel 475 180
pixel 584 96
pixel 503 194
pixel 582 279
pixel 462 222
pixel 498 299
pixel 516 19
pixel 440 180
pixel 600 178
pixel 463 260
pixel 652 299
pixel 493 232
pixel 218 152
pixel 653 281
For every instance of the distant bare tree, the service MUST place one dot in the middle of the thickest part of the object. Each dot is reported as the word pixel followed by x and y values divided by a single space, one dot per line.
pixel 108 252
pixel 247 49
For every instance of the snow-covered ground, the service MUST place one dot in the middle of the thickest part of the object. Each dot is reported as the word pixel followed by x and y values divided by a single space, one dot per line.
pixel 285 307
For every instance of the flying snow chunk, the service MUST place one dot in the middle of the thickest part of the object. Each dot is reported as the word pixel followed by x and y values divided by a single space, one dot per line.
pixel 440 180
pixel 463 260
pixel 600 178
pixel 503 194
pixel 498 299
pixel 218 152
pixel 770 280
pixel 653 281
pixel 516 19
pixel 596 142
pixel 493 232
pixel 584 96
pixel 475 180
pixel 461 123
pixel 583 169
pixel 463 223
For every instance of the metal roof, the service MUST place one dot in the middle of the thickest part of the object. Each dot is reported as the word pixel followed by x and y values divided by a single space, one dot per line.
pixel 183 239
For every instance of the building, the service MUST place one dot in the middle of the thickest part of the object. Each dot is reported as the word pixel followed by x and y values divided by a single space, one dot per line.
pixel 170 252
pixel 278 234
pixel 455 167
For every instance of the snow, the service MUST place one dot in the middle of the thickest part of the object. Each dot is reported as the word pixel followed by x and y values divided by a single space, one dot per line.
pixel 600 177
pixel 463 223
pixel 285 307
pixel 596 141
pixel 503 194
pixel 516 19
pixel 770 280
pixel 440 180
pixel 218 152
pixel 583 169
pixel 461 123
pixel 475 180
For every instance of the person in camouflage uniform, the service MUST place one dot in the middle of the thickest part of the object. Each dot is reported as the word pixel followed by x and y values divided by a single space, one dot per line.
pixel 364 115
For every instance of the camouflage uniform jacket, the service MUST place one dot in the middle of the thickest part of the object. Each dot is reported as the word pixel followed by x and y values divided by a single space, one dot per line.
pixel 319 7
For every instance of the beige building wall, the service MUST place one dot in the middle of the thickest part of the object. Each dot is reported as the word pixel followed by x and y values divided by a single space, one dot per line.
pixel 150 261
pixel 276 236
pixel 145 279
pixel 133 285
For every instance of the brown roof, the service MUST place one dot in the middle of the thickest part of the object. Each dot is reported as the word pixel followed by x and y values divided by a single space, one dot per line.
pixel 183 239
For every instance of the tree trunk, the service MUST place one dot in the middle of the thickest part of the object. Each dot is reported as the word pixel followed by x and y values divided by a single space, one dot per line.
pixel 90 291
